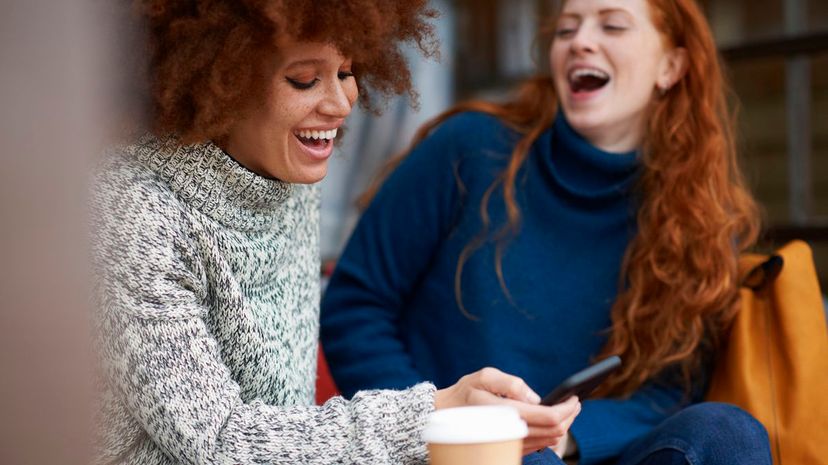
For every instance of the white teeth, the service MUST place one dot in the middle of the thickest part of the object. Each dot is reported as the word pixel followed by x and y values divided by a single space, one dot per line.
pixel 581 72
pixel 317 134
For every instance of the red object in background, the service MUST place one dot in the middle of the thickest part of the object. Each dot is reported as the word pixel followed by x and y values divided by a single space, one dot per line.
pixel 325 387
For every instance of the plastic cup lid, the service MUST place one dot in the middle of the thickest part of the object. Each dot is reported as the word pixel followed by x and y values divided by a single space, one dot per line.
pixel 473 425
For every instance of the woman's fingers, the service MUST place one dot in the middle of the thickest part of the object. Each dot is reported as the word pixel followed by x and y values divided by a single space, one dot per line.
pixel 534 445
pixel 543 416
pixel 502 384
pixel 547 424
pixel 568 422
pixel 535 415
pixel 527 449
pixel 539 441
pixel 545 432
pixel 555 415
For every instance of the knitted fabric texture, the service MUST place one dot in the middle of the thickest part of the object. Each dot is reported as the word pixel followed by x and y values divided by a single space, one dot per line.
pixel 208 324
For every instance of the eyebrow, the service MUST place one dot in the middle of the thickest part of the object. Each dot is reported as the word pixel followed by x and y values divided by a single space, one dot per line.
pixel 602 12
pixel 614 10
pixel 307 62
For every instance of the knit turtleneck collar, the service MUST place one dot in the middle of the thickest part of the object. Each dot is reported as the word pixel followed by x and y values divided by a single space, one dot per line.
pixel 584 170
pixel 205 177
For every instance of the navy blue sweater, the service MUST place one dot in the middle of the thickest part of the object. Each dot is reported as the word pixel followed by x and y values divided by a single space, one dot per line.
pixel 390 318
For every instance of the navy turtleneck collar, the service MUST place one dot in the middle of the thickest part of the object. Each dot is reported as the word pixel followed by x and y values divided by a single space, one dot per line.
pixel 584 170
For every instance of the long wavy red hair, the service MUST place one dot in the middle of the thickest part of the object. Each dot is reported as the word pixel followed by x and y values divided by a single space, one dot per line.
pixel 679 277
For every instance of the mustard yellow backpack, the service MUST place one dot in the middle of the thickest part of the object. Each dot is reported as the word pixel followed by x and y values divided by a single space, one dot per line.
pixel 775 362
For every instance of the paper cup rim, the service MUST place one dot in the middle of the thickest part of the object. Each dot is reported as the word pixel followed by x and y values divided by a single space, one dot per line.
pixel 474 425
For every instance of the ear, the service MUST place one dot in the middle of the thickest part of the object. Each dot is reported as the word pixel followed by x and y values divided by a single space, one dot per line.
pixel 672 68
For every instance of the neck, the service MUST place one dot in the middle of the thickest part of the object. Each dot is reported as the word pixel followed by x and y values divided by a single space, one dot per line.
pixel 243 149
pixel 619 138
pixel 615 145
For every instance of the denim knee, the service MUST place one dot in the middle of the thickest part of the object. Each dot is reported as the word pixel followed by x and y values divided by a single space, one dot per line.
pixel 723 433
pixel 709 433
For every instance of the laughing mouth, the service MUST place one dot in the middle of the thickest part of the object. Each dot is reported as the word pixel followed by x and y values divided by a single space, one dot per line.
pixel 317 140
pixel 587 79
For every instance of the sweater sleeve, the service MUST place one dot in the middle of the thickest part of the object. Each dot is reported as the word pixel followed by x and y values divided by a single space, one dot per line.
pixel 166 368
pixel 605 427
pixel 170 376
pixel 389 250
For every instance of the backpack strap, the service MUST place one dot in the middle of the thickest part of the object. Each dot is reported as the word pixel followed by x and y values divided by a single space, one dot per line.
pixel 762 275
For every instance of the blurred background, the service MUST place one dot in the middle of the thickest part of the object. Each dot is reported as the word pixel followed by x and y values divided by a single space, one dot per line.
pixel 776 54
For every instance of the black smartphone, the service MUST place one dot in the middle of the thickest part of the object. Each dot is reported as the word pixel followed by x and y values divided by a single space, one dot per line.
pixel 582 383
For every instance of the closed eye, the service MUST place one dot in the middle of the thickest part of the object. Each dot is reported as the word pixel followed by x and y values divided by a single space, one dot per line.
pixel 301 85
pixel 342 75
pixel 565 32
pixel 614 28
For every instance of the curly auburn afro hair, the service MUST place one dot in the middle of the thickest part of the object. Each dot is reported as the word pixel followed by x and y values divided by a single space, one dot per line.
pixel 204 55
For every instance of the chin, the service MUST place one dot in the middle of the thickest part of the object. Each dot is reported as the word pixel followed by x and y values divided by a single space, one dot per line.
pixel 310 176
pixel 585 120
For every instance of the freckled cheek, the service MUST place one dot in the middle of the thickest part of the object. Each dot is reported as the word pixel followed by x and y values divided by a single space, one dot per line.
pixel 292 115
pixel 352 94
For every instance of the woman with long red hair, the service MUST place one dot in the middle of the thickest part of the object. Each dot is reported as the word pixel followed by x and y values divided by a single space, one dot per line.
pixel 600 212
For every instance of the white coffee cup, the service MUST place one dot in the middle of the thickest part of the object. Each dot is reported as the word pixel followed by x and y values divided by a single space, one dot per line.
pixel 484 435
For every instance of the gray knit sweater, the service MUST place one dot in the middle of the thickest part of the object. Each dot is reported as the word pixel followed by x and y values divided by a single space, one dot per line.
pixel 209 276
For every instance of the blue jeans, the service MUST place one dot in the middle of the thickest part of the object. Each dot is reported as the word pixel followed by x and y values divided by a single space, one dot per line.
pixel 709 433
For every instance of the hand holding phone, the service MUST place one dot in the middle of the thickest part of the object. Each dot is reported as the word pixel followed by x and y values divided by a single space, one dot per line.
pixel 582 383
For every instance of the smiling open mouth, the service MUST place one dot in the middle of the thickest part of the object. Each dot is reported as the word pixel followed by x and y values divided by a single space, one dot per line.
pixel 587 79
pixel 316 140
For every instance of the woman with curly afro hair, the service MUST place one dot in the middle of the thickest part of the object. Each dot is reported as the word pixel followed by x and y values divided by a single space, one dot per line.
pixel 599 213
pixel 206 243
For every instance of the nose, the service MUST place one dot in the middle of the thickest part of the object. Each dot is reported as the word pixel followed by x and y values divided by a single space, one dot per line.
pixel 583 41
pixel 338 100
